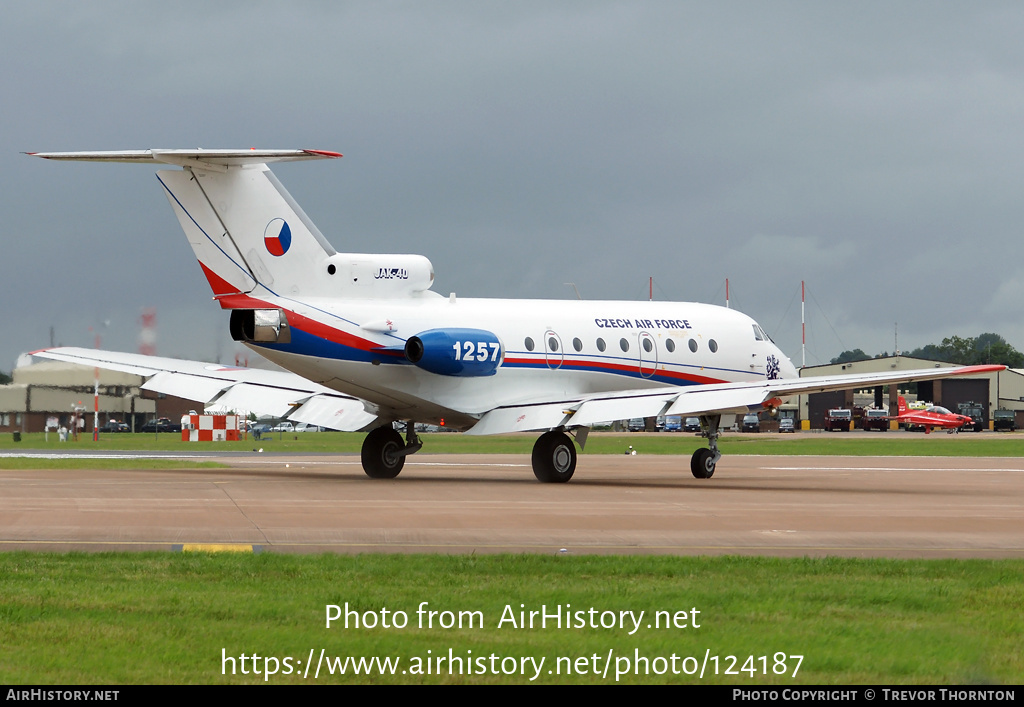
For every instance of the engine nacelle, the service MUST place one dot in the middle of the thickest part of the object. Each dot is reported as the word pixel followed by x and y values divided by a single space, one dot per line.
pixel 260 325
pixel 456 352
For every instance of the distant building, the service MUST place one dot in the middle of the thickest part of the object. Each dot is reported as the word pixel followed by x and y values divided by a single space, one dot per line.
pixel 53 390
pixel 992 390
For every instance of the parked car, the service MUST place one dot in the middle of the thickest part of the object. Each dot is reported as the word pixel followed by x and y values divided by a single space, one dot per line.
pixel 283 426
pixel 115 426
pixel 162 424
pixel 838 419
pixel 306 427
pixel 875 420
pixel 636 424
pixel 751 423
pixel 673 423
pixel 692 424
pixel 787 424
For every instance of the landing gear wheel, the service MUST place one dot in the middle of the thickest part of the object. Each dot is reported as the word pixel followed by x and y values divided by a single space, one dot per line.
pixel 702 464
pixel 380 453
pixel 554 458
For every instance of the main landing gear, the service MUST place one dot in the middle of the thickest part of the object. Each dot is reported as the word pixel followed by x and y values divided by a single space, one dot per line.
pixel 384 452
pixel 702 463
pixel 554 457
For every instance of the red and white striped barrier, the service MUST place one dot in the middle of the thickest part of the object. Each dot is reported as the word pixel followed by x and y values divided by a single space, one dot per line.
pixel 209 428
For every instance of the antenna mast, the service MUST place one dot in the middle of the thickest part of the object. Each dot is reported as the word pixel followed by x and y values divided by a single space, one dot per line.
pixel 803 329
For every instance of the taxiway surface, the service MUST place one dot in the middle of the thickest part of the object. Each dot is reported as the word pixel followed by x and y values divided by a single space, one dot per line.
pixel 850 506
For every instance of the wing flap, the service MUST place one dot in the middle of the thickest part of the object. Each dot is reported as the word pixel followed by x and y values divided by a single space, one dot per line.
pixel 246 397
pixel 335 412
pixel 523 418
pixel 186 386
pixel 594 412
pixel 707 401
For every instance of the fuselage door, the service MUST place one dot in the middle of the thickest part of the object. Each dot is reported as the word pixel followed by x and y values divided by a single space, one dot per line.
pixel 553 354
pixel 648 354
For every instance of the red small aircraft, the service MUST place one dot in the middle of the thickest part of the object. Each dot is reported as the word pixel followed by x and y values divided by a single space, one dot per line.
pixel 932 416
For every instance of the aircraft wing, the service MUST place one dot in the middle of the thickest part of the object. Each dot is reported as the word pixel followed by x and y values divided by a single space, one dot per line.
pixel 275 393
pixel 587 410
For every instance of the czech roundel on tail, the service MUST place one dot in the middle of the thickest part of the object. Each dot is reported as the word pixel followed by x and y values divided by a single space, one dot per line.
pixel 369 344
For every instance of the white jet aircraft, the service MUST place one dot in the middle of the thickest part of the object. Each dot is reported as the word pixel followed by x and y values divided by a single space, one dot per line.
pixel 369 344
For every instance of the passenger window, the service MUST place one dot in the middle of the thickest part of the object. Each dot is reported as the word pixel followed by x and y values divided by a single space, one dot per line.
pixel 553 343
pixel 693 345
pixel 670 345
pixel 713 345
pixel 623 344
pixel 529 344
pixel 648 345
pixel 577 344
pixel 600 345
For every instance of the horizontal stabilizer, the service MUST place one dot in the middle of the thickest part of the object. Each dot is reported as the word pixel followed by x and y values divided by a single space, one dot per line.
pixel 197 157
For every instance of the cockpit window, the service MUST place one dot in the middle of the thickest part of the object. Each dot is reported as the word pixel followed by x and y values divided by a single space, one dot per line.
pixel 761 335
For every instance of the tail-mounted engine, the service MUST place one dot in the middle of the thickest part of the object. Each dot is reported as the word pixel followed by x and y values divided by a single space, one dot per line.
pixel 260 325
pixel 456 352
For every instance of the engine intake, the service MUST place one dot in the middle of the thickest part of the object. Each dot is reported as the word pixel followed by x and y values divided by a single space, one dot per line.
pixel 456 352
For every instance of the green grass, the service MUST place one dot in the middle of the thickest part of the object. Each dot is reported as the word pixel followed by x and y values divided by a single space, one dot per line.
pixel 848 444
pixel 165 618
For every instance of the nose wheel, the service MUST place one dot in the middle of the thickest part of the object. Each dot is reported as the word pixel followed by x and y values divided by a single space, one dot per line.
pixel 702 463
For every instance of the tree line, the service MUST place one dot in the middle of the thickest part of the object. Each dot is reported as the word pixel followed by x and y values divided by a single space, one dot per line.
pixel 967 351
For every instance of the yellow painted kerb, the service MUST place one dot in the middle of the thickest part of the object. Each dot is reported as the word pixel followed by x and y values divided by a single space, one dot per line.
pixel 215 547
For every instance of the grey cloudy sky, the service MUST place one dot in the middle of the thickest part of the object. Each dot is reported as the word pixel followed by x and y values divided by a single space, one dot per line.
pixel 873 149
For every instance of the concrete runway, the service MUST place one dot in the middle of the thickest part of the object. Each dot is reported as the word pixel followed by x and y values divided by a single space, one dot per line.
pixel 785 506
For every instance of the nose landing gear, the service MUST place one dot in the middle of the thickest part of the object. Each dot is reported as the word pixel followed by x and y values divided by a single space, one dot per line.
pixel 702 463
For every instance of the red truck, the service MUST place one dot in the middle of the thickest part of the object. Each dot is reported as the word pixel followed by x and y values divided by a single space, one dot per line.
pixel 838 419
pixel 875 420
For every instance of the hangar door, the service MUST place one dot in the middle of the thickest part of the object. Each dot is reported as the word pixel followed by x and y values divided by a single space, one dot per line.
pixel 820 403
pixel 956 391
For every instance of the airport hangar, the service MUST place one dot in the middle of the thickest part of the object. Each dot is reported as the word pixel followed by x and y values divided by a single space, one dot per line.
pixel 994 391
pixel 53 389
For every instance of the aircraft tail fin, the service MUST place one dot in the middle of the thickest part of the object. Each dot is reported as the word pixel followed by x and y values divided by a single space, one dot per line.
pixel 252 239
pixel 901 405
pixel 245 229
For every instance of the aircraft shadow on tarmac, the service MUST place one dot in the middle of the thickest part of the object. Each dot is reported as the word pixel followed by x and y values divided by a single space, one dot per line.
pixel 683 482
